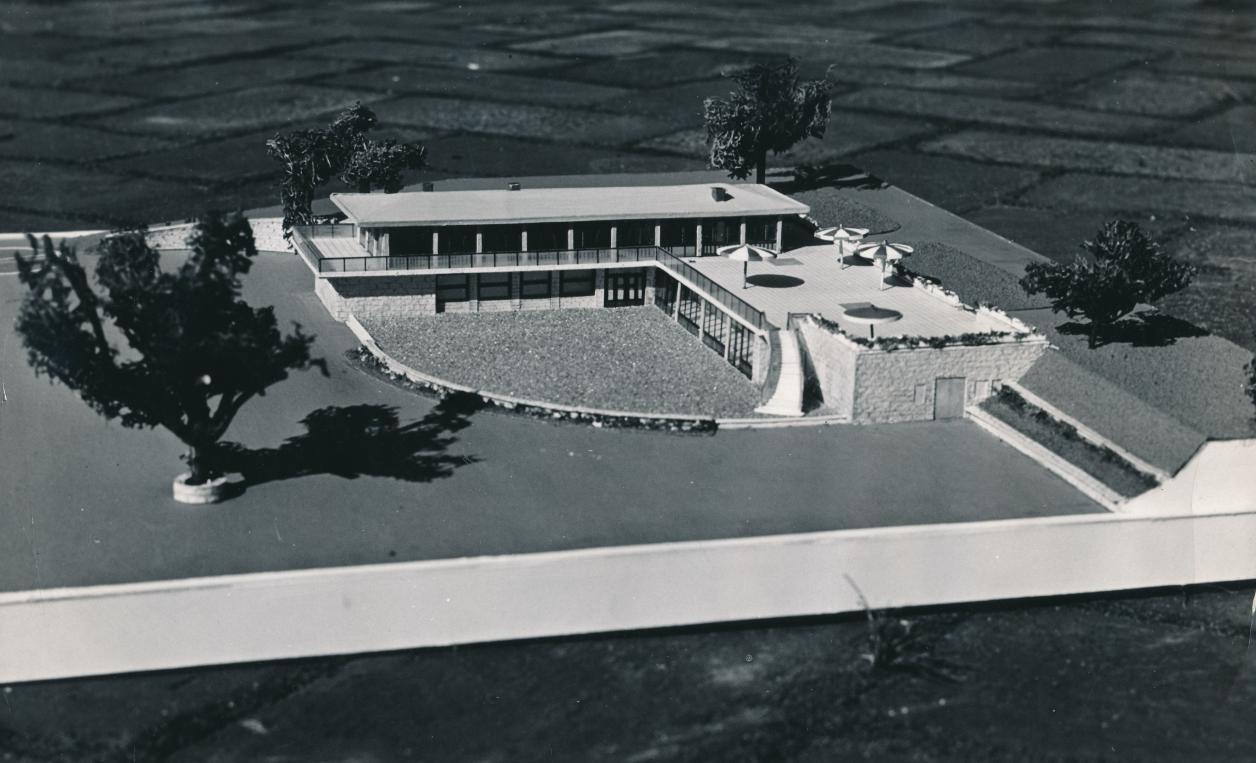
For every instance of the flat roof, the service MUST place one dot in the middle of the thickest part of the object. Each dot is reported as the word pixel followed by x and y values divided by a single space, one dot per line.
pixel 539 205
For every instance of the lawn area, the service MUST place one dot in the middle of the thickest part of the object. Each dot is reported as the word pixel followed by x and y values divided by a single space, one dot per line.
pixel 829 206
pixel 975 282
pixel 1182 371
pixel 626 359
pixel 1062 439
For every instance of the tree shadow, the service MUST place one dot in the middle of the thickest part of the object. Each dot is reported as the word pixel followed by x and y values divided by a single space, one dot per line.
pixel 1143 330
pixel 774 281
pixel 360 440
pixel 809 177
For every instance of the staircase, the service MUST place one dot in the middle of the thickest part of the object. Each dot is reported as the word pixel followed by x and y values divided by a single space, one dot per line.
pixel 786 399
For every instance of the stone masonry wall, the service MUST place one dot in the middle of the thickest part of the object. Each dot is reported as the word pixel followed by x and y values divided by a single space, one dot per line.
pixel 899 385
pixel 832 360
pixel 378 297
pixel 267 235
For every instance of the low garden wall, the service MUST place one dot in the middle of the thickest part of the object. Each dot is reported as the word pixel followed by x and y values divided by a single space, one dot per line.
pixel 63 633
pixel 892 379
pixel 267 235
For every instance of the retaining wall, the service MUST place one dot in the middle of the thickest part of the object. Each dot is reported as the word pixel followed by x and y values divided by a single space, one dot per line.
pixel 898 385
pixel 887 386
pixel 267 235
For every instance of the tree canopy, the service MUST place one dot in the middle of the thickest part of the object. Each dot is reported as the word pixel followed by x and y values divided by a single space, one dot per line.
pixel 312 157
pixel 192 352
pixel 770 111
pixel 1125 269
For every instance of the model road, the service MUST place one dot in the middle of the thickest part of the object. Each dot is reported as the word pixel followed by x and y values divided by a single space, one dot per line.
pixel 88 502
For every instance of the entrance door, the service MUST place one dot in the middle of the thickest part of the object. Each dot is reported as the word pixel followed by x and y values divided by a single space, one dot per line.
pixel 625 288
pixel 948 397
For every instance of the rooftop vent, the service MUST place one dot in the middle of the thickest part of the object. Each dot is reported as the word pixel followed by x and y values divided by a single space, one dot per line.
pixel 512 186
pixel 429 187
pixel 719 193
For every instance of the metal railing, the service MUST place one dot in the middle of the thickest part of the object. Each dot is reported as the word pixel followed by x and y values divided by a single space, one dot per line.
pixel 728 300
pixel 487 260
pixel 326 230
pixel 308 247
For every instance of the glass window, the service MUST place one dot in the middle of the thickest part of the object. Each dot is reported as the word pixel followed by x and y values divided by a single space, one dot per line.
pixel 494 286
pixel 534 285
pixel 547 237
pixel 452 289
pixel 457 239
pixel 577 283
pixel 502 238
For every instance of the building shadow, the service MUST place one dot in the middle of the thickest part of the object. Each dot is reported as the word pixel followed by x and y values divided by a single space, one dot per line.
pixel 359 440
pixel 774 281
pixel 1143 330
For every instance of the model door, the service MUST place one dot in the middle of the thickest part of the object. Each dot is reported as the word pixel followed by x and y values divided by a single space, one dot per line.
pixel 948 398
pixel 624 289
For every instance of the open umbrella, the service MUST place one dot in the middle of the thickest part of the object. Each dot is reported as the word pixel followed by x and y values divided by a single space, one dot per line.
pixel 884 254
pixel 846 239
pixel 871 315
pixel 746 254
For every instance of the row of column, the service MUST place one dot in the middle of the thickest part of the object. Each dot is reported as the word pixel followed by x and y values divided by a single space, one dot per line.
pixel 375 240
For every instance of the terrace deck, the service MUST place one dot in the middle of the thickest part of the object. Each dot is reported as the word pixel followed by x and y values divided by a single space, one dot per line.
pixel 811 280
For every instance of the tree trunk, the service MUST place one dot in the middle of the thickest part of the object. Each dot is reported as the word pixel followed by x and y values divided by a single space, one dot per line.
pixel 1093 337
pixel 761 167
pixel 200 464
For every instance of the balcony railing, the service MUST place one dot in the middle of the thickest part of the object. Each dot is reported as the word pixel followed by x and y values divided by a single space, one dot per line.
pixel 486 260
pixel 304 237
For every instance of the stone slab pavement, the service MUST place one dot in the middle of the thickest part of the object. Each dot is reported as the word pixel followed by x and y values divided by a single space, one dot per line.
pixel 1036 120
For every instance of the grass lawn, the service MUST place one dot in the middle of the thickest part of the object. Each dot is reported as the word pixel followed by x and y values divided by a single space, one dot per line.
pixel 1183 371
pixel 627 359
pixel 975 282
pixel 830 207
pixel 1062 439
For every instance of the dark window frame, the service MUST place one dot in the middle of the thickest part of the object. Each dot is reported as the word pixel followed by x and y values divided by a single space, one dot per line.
pixel 529 280
pixel 572 283
pixel 498 287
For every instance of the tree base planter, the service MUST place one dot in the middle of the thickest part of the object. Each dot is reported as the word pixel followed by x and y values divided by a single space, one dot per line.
pixel 212 491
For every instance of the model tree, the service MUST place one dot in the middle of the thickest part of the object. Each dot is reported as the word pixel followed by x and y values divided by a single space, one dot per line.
pixel 770 111
pixel 311 157
pixel 1125 269
pixel 190 352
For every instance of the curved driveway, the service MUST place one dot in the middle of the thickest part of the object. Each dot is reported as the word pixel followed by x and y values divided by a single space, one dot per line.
pixel 85 501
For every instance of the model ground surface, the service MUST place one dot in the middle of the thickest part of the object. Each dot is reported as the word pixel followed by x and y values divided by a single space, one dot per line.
pixel 430 481
pixel 624 359
pixel 1167 677
pixel 1037 121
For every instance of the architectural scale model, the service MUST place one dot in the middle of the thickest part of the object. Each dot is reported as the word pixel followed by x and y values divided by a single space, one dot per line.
pixel 420 253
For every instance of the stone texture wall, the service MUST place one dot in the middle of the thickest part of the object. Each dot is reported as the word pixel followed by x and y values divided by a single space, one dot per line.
pixel 379 297
pixel 831 359
pixel 899 385
pixel 876 386
pixel 267 235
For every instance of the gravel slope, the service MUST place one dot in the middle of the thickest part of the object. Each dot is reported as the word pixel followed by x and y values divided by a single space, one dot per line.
pixel 629 359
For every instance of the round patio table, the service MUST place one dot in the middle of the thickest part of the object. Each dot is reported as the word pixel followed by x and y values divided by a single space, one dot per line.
pixel 871 315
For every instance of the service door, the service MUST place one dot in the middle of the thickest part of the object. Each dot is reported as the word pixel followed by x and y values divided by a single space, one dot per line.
pixel 948 397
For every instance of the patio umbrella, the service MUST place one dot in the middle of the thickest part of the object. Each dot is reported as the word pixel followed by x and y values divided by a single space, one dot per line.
pixel 883 253
pixel 846 239
pixel 746 254
pixel 871 315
